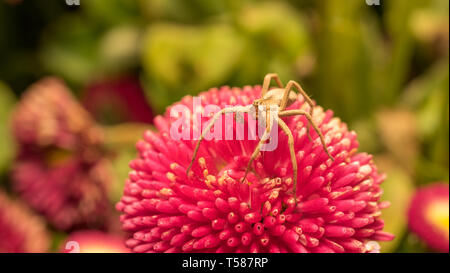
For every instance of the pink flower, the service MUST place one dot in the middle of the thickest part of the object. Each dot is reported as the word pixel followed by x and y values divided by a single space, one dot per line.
pixel 48 115
pixel 429 215
pixel 212 211
pixel 20 230
pixel 93 241
pixel 118 99
pixel 60 169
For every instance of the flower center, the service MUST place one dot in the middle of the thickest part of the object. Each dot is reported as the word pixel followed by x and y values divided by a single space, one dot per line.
pixel 438 215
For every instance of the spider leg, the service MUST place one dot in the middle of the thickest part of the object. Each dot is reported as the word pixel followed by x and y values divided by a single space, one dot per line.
pixel 266 84
pixel 288 132
pixel 256 151
pixel 299 88
pixel 308 100
pixel 308 116
pixel 210 125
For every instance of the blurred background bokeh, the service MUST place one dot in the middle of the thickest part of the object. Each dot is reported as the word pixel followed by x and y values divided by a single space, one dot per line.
pixel 383 69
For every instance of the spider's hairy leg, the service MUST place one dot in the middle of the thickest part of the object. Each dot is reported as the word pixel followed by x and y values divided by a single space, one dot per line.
pixel 266 84
pixel 213 120
pixel 288 132
pixel 289 87
pixel 284 101
pixel 308 116
pixel 257 150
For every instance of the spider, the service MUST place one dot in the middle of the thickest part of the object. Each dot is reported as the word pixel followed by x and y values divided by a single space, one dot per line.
pixel 282 97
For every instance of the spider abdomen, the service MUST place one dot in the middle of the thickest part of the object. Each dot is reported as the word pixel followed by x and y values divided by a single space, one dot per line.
pixel 275 96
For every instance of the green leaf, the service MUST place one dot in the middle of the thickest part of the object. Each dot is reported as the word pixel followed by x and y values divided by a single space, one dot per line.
pixel 277 40
pixel 398 189
pixel 428 97
pixel 181 59
pixel 350 54
pixel 7 101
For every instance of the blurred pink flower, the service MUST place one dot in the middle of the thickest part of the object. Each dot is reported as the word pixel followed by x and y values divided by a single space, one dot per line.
pixel 92 241
pixel 20 230
pixel 429 215
pixel 60 169
pixel 119 99
pixel 212 211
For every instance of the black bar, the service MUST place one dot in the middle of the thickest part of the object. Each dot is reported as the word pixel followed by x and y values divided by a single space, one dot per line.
pixel 279 263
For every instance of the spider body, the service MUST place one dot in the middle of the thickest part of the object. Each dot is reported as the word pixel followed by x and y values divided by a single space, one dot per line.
pixel 282 97
pixel 275 97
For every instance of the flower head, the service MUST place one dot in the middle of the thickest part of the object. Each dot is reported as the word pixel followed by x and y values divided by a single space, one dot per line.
pixel 429 215
pixel 92 241
pixel 338 208
pixel 20 230
pixel 60 169
pixel 49 116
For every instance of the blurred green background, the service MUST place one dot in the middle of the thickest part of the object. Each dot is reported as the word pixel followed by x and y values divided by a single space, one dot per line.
pixel 383 69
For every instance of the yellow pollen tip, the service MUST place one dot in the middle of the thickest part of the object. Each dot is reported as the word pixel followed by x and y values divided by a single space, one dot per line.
pixel 202 162
pixel 166 192
pixel 288 181
pixel 221 180
pixel 170 176
pixel 273 195
pixel 209 180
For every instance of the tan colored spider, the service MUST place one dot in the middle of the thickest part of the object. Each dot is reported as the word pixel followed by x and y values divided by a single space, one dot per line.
pixel 283 98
